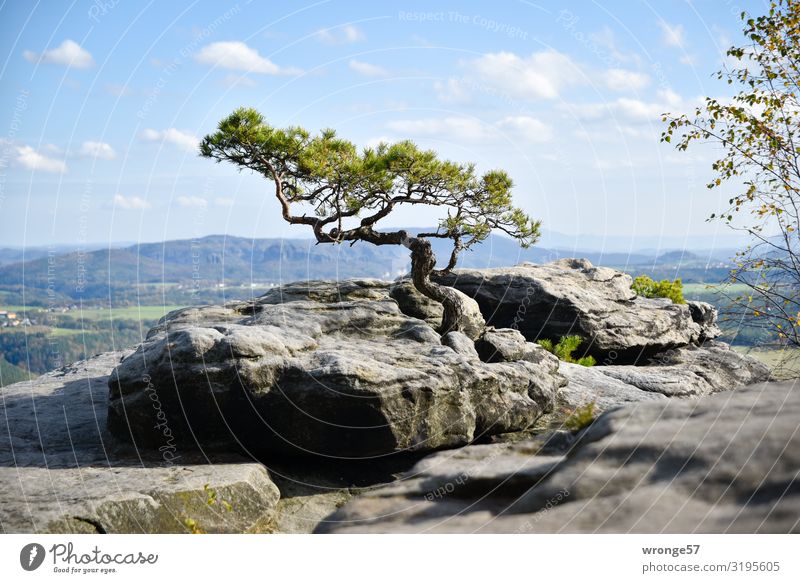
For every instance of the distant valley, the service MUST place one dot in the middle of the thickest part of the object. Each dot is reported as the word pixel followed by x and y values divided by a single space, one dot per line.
pixel 216 266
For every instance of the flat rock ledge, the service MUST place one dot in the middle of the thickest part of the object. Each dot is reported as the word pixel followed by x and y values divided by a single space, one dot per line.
pixel 61 471
pixel 716 464
pixel 690 371
pixel 325 368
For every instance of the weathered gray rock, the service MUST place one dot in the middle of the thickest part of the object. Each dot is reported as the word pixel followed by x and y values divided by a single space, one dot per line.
pixel 682 372
pixel 571 296
pixel 60 470
pixel 705 315
pixel 692 371
pixel 413 303
pixel 302 514
pixel 720 366
pixel 307 497
pixel 325 291
pixel 444 486
pixel 461 343
pixel 508 345
pixel 470 320
pixel 589 385
pixel 349 378
pixel 722 463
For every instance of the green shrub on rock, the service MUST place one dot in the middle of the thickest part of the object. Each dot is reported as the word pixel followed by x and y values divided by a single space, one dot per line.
pixel 565 348
pixel 647 287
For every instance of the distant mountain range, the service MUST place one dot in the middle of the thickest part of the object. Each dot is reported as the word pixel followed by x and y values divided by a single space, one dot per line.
pixel 611 245
pixel 643 244
pixel 9 255
pixel 219 261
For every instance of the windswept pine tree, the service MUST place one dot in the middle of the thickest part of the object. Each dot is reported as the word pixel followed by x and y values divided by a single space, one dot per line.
pixel 342 195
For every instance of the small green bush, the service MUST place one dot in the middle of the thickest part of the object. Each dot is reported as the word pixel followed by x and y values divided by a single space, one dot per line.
pixel 581 417
pixel 647 287
pixel 565 348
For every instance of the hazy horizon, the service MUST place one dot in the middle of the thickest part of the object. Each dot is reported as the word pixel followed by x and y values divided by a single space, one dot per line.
pixel 549 240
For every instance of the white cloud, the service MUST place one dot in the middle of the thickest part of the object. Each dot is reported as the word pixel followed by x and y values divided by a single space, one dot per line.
pixel 541 75
pixel 608 50
pixel 624 80
pixel 672 35
pixel 182 139
pixel 466 129
pixel 33 160
pixel 632 110
pixel 689 60
pixel 224 201
pixel 452 91
pixel 97 150
pixel 238 56
pixel 671 98
pixel 192 202
pixel 638 110
pixel 69 54
pixel 341 35
pixel 367 69
pixel 131 202
pixel 526 128
pixel 455 128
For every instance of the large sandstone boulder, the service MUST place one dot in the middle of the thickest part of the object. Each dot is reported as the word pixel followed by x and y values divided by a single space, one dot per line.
pixel 61 472
pixel 321 368
pixel 571 296
pixel 722 463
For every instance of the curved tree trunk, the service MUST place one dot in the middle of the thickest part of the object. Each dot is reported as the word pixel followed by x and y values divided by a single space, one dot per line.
pixel 460 312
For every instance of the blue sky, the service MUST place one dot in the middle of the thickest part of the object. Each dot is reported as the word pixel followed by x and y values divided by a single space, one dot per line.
pixel 103 102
